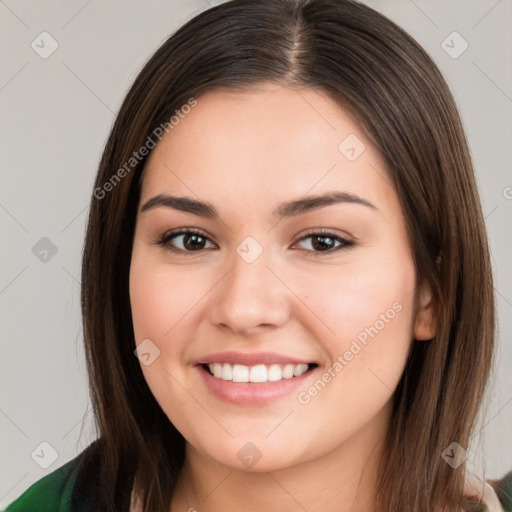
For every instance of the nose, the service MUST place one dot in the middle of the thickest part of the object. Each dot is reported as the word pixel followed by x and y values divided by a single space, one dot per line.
pixel 250 297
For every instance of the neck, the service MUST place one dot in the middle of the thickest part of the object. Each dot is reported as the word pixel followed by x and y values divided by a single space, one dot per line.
pixel 342 479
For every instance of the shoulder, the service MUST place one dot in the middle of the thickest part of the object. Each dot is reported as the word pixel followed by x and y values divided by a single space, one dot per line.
pixel 53 492
pixel 493 495
pixel 503 490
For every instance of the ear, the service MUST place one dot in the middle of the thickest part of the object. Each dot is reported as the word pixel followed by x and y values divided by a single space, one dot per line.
pixel 425 324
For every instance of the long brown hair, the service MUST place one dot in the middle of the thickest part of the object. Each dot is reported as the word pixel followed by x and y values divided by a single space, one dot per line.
pixel 378 73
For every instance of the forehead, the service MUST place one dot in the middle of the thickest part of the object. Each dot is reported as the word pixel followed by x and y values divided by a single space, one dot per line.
pixel 270 142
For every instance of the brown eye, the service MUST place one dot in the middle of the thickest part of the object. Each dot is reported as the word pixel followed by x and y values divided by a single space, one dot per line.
pixel 325 242
pixel 185 241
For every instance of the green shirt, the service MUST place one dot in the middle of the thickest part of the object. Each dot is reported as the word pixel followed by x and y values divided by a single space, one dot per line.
pixel 54 492
pixel 51 493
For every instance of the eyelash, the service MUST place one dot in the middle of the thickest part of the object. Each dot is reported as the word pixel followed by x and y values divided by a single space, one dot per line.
pixel 164 241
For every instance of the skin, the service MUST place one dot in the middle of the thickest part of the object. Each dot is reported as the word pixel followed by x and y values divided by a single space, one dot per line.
pixel 246 152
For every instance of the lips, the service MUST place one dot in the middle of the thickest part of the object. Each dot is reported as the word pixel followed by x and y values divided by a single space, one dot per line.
pixel 257 392
pixel 252 359
pixel 253 378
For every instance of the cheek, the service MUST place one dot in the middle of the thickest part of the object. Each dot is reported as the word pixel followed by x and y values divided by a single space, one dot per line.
pixel 159 300
pixel 368 307
pixel 367 302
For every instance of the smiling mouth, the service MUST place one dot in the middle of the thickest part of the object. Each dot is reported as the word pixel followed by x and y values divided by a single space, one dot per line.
pixel 257 373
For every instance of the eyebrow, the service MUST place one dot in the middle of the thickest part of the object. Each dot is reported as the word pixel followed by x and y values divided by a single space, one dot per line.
pixel 288 209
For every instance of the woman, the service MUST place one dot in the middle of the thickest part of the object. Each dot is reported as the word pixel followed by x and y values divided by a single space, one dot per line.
pixel 286 232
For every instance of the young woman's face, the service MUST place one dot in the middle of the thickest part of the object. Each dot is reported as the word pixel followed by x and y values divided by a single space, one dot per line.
pixel 264 286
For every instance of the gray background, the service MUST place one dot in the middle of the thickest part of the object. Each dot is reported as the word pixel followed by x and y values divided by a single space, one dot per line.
pixel 56 114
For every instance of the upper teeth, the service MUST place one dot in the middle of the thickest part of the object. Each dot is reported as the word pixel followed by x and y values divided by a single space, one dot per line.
pixel 258 373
